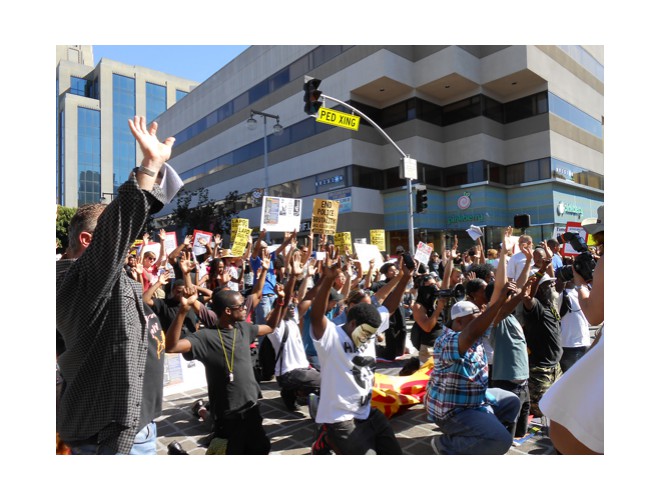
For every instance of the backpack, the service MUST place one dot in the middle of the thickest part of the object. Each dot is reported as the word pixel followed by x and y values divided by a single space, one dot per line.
pixel 565 304
pixel 266 359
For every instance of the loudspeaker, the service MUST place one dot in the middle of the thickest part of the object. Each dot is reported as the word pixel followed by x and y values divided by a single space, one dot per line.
pixel 521 221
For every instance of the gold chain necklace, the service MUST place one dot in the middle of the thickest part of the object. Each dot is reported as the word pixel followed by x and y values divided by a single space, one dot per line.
pixel 230 367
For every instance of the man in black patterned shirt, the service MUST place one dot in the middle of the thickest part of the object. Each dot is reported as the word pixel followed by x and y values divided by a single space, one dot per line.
pixel 112 363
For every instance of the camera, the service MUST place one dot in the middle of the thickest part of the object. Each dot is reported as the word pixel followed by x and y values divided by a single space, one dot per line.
pixel 458 292
pixel 583 264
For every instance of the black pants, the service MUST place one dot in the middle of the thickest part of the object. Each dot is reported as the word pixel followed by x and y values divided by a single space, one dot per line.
pixel 371 436
pixel 300 380
pixel 244 432
pixel 522 391
pixel 570 356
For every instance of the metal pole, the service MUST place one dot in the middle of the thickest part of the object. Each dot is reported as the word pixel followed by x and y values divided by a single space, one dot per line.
pixel 411 242
pixel 265 164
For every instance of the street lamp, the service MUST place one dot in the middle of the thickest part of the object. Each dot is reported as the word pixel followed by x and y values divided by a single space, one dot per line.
pixel 277 130
pixel 104 199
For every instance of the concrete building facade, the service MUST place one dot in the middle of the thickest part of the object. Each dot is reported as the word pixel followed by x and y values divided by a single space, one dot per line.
pixel 497 131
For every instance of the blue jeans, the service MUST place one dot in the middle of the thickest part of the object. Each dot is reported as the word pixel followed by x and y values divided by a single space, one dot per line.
pixel 263 308
pixel 484 431
pixel 144 444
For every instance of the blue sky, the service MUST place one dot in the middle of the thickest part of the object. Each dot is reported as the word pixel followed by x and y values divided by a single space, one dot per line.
pixel 195 62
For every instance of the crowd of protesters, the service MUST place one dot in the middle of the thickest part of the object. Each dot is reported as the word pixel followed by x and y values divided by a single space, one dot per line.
pixel 498 326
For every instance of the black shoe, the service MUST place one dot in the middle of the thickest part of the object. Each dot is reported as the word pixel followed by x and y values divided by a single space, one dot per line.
pixel 289 400
pixel 411 366
pixel 197 405
pixel 174 448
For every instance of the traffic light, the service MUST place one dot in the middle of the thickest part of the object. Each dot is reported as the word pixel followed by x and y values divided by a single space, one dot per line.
pixel 421 201
pixel 312 94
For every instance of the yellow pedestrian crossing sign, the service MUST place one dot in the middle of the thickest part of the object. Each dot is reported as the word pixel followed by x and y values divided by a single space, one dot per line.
pixel 338 119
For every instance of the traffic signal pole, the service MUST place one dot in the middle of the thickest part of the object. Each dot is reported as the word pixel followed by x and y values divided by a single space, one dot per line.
pixel 404 157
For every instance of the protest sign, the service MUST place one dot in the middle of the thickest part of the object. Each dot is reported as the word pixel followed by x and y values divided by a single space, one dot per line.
pixel 235 224
pixel 324 216
pixel 241 239
pixel 423 253
pixel 200 239
pixel 343 242
pixel 280 214
pixel 367 252
pixel 377 237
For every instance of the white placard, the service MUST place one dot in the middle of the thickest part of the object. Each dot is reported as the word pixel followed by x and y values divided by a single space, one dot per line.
pixel 280 214
pixel 423 253
pixel 367 252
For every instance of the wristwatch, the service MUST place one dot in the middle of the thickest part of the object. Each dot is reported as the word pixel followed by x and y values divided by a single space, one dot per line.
pixel 146 171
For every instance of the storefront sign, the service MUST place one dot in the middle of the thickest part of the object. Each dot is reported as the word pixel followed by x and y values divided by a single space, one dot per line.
pixel 465 218
pixel 464 201
pixel 563 208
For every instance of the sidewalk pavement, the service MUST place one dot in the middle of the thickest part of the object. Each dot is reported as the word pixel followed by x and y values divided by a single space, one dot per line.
pixel 293 433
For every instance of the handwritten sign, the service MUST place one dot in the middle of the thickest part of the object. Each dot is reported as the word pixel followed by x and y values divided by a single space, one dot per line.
pixel 324 216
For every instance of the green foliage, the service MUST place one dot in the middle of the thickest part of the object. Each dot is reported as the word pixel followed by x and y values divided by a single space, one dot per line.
pixel 195 210
pixel 64 215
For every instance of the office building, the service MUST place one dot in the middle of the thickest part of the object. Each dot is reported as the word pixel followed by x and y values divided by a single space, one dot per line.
pixel 497 131
pixel 95 148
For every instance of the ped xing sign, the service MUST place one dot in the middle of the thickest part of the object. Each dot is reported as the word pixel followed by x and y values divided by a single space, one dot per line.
pixel 338 119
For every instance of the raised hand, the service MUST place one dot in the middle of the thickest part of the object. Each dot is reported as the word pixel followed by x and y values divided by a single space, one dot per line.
pixel 187 239
pixel 146 238
pixel 162 234
pixel 164 277
pixel 155 152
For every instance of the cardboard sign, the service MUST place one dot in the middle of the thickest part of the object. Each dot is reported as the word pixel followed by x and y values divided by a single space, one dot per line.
pixel 367 252
pixel 235 224
pixel 324 216
pixel 343 242
pixel 280 214
pixel 241 239
pixel 198 248
pixel 423 253
pixel 377 237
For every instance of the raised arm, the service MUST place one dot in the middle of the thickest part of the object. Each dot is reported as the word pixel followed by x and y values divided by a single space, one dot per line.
pixel 171 258
pixel 173 341
pixel 393 300
pixel 149 294
pixel 318 320
pixel 258 287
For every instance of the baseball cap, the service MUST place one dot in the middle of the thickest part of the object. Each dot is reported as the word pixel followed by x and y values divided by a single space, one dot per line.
pixel 463 308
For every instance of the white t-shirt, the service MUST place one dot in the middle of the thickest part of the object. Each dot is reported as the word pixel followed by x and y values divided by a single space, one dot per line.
pixel 574 324
pixel 576 399
pixel 233 272
pixel 293 354
pixel 347 376
pixel 515 265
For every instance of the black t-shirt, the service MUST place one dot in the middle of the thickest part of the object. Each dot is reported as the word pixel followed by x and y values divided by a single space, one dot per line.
pixel 167 309
pixel 227 397
pixel 152 389
pixel 426 298
pixel 543 334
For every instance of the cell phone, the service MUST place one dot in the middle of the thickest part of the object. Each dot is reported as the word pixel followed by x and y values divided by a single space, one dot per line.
pixel 408 261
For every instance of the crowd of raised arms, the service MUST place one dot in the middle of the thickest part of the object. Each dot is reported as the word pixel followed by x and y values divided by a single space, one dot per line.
pixel 496 330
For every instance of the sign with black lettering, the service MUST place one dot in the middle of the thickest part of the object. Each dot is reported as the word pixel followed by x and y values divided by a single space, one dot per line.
pixel 324 216
pixel 338 119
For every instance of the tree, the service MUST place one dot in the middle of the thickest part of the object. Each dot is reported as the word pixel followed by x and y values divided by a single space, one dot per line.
pixel 225 212
pixel 64 215
pixel 201 216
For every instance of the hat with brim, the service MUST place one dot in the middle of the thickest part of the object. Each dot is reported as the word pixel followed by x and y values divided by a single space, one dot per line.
pixel 593 226
pixel 463 308
pixel 226 253
pixel 545 278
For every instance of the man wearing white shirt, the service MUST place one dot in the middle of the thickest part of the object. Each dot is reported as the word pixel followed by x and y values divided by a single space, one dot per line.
pixel 517 262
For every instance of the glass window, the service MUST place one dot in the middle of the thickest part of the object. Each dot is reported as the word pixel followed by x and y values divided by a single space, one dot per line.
pixel 124 153
pixel 156 100
pixel 89 158
pixel 574 115
pixel 180 94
